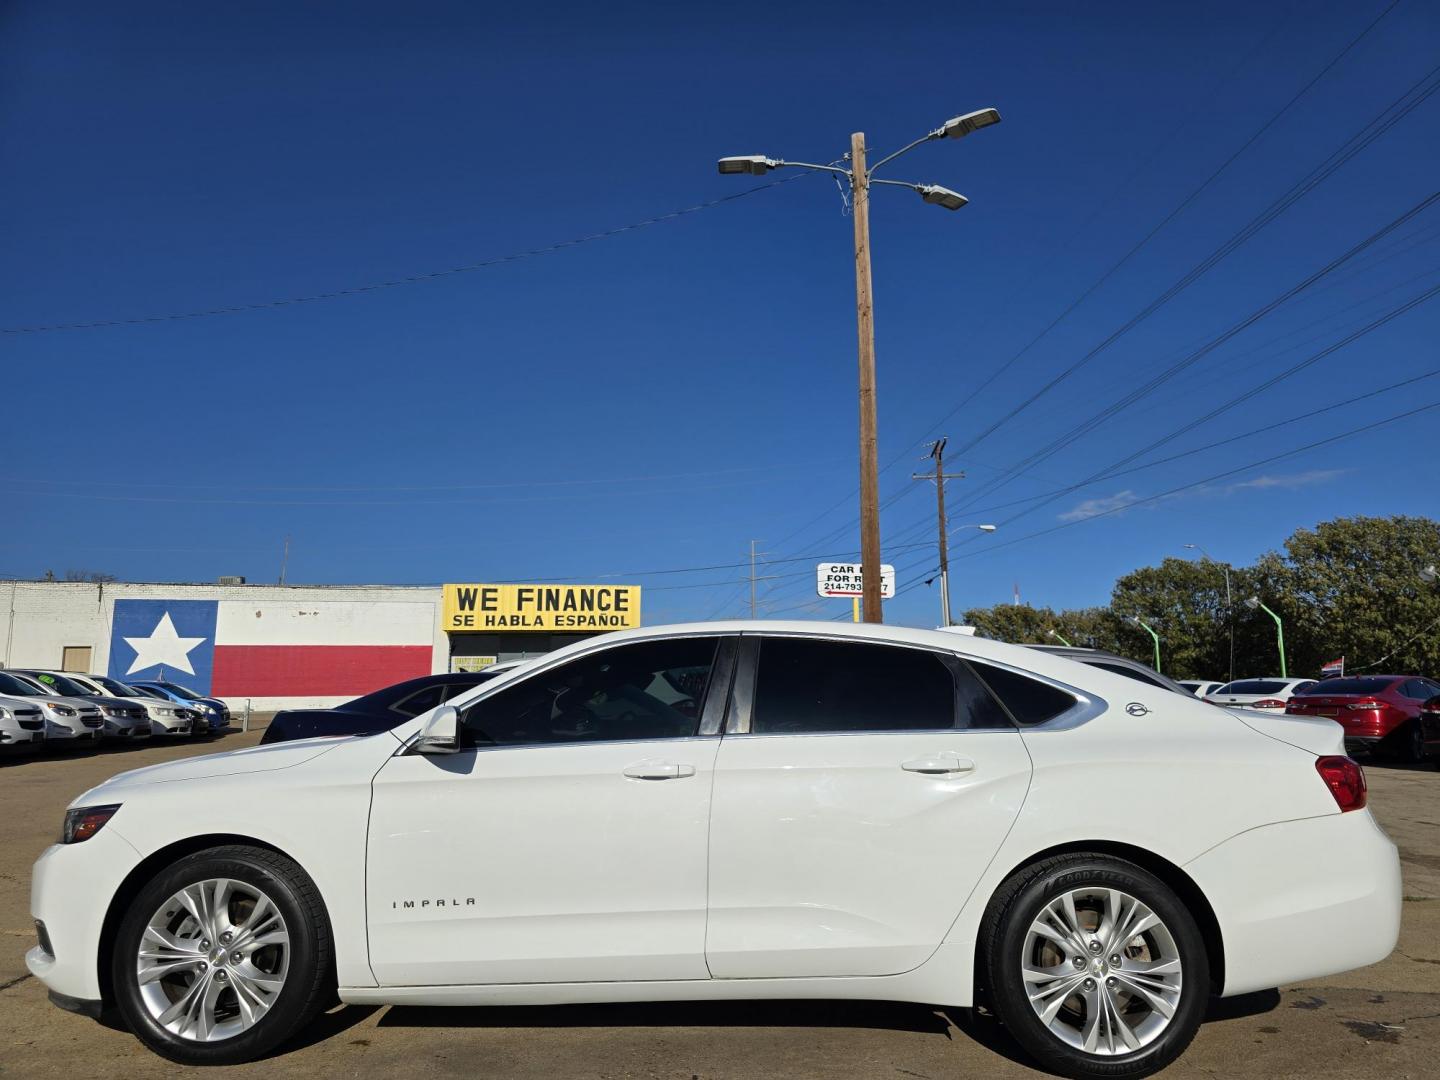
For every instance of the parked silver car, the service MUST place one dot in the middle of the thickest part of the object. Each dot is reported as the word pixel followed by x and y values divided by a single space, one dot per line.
pixel 70 721
pixel 21 722
pixel 127 718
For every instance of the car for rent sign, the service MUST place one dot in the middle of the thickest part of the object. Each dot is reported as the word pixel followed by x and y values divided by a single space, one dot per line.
pixel 846 579
pixel 540 607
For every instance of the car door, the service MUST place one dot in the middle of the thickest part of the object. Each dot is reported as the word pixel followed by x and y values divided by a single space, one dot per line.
pixel 566 841
pixel 861 789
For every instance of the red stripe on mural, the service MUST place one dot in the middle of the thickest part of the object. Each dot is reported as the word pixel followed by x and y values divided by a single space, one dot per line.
pixel 314 670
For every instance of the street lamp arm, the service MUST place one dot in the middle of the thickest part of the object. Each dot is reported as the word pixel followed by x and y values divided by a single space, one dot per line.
pixel 899 183
pixel 937 133
pixel 808 165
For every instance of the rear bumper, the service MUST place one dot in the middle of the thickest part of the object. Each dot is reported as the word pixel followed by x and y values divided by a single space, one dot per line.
pixel 1302 899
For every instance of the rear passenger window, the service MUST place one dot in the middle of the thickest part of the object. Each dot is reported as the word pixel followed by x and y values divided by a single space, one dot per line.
pixel 1029 700
pixel 1129 673
pixel 805 686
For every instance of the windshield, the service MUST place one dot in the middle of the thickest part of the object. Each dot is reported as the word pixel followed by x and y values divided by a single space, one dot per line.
pixel 119 689
pixel 150 691
pixel 61 685
pixel 1253 686
pixel 1369 685
pixel 15 686
pixel 182 691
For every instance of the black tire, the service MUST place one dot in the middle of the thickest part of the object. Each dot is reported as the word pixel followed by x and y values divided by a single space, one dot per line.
pixel 1002 944
pixel 309 981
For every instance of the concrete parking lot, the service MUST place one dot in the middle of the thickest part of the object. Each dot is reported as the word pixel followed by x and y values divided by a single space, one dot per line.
pixel 1381 1021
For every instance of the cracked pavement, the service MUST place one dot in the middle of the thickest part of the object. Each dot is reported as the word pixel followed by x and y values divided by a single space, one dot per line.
pixel 1383 1020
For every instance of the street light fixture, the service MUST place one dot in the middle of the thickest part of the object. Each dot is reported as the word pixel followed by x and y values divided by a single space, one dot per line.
pixel 1429 574
pixel 1052 632
pixel 1254 604
pixel 1135 620
pixel 1229 603
pixel 754 165
pixel 861 178
pixel 936 195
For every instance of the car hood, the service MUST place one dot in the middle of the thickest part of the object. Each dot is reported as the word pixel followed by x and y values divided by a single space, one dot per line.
pixel 255 759
pixel 1317 735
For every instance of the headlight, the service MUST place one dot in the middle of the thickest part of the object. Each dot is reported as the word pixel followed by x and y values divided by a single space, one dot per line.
pixel 110 710
pixel 85 821
pixel 61 710
pixel 4 713
pixel 160 710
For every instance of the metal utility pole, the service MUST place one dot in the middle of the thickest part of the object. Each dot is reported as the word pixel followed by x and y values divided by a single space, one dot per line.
pixel 284 560
pixel 861 177
pixel 937 453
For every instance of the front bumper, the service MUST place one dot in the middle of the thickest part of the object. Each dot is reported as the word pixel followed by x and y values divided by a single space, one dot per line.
pixel 169 725
pixel 70 890
pixel 17 736
pixel 1302 899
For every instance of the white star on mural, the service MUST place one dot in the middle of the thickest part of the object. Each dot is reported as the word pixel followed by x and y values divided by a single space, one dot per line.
pixel 163 647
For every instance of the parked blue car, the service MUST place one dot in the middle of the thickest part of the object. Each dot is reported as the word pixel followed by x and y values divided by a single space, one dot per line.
pixel 212 710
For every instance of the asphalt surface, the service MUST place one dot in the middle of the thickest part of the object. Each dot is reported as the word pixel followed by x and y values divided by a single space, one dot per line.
pixel 1381 1021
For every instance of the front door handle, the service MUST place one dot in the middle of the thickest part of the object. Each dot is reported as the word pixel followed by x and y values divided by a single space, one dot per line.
pixel 945 763
pixel 659 770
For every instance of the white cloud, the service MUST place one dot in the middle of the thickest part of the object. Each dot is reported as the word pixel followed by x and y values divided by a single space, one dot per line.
pixel 1288 480
pixel 1106 504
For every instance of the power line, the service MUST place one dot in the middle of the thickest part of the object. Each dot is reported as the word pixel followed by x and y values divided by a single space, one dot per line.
pixel 1171 216
pixel 1265 429
pixel 1357 142
pixel 1371 426
pixel 1147 388
pixel 409 279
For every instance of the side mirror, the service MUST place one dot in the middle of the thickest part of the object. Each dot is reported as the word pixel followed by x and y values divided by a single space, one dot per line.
pixel 441 733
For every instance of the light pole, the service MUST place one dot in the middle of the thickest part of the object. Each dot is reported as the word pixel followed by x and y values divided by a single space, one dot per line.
pixel 1058 637
pixel 1135 620
pixel 861 177
pixel 1252 604
pixel 1229 604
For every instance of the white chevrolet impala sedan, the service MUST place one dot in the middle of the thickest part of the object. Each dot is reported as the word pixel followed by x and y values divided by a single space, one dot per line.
pixel 736 810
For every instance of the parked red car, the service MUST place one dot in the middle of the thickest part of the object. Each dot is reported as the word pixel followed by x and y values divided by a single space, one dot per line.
pixel 1378 712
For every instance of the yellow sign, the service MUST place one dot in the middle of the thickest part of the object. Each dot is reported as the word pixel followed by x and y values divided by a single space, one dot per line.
pixel 563 608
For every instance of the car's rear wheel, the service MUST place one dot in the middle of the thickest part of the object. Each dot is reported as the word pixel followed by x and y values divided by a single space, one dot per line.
pixel 1095 966
pixel 222 956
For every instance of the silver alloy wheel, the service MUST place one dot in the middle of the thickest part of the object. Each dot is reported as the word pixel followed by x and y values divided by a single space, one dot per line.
pixel 213 959
pixel 1101 971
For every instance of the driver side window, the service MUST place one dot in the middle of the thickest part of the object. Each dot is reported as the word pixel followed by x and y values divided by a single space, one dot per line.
pixel 648 690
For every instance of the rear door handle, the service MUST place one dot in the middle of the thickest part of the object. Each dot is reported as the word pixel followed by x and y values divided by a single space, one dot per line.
pixel 659 770
pixel 945 763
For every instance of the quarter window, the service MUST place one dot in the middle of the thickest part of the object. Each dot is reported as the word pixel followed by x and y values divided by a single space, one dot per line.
pixel 648 690
pixel 1030 701
pixel 805 686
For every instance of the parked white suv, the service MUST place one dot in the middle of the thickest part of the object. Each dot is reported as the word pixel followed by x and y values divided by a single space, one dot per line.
pixel 126 718
pixel 1263 695
pixel 21 722
pixel 69 721
pixel 735 810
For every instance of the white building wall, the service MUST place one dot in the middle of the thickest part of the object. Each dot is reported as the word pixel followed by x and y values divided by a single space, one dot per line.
pixel 38 620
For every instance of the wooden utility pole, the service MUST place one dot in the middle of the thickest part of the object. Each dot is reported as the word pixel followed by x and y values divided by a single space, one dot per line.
pixel 752 578
pixel 937 453
pixel 865 325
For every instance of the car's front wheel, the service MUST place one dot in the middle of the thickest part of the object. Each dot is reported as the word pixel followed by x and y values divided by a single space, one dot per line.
pixel 1095 966
pixel 222 956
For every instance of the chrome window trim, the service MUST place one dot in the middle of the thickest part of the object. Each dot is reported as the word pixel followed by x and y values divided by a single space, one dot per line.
pixel 407 748
pixel 491 686
pixel 1086 708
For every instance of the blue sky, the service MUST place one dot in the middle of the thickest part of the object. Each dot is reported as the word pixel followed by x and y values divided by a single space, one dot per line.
pixel 656 399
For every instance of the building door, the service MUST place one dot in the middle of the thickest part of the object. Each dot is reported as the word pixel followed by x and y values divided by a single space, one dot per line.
pixel 76 658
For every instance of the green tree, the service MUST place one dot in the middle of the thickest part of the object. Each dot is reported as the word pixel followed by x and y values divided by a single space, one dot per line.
pixel 1352 587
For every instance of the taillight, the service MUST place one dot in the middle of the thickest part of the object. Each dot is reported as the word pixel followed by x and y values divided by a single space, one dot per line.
pixel 1293 706
pixel 1361 706
pixel 1269 703
pixel 1346 781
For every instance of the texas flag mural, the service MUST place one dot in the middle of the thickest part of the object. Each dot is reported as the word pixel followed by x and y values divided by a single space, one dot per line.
pixel 263 648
